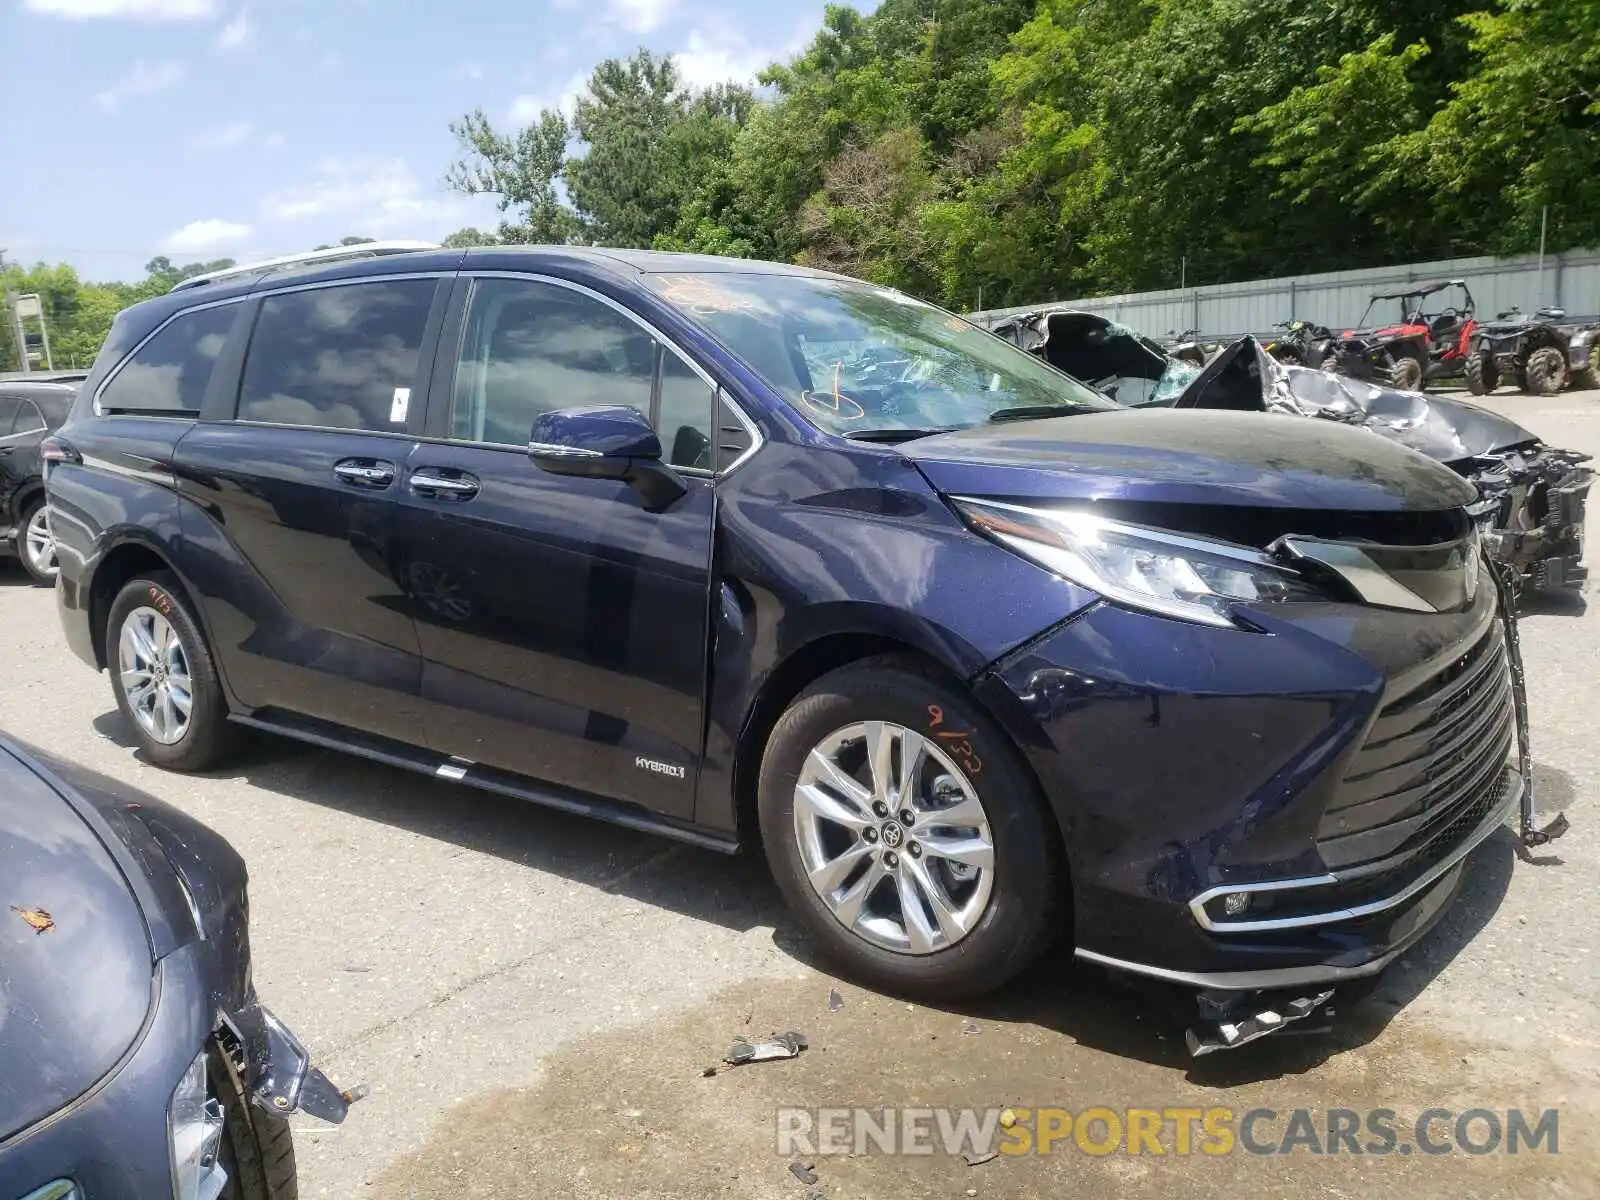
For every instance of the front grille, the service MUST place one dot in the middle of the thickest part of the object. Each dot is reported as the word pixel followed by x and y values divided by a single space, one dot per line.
pixel 1428 770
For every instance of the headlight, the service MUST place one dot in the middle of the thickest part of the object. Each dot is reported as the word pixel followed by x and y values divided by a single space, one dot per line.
pixel 61 1189
pixel 1191 578
pixel 194 1128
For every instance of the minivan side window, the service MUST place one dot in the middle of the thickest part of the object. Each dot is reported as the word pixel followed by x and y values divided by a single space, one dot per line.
pixel 531 347
pixel 169 373
pixel 342 357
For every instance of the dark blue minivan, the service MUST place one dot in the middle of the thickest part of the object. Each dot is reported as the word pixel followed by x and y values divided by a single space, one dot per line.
pixel 751 554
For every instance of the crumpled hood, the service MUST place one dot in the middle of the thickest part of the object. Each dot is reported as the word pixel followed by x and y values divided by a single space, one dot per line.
pixel 1165 456
pixel 75 957
pixel 1245 377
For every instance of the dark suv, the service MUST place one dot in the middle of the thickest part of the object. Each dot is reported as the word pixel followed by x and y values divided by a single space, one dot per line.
pixel 28 412
pixel 749 553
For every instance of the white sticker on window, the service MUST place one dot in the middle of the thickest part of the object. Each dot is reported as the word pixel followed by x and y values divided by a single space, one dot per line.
pixel 402 401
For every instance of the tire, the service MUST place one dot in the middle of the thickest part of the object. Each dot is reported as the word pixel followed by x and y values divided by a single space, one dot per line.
pixel 1546 371
pixel 257 1148
pixel 157 606
pixel 1408 373
pixel 1589 375
pixel 1008 912
pixel 1481 374
pixel 1289 358
pixel 37 560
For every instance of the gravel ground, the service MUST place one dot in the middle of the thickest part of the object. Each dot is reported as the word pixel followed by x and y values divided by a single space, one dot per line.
pixel 532 997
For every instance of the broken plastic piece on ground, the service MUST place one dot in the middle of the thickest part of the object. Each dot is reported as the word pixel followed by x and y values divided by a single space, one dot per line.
pixel 707 1072
pixel 970 1030
pixel 36 919
pixel 783 1045
pixel 835 1001
pixel 977 1160
pixel 803 1172
pixel 1231 1034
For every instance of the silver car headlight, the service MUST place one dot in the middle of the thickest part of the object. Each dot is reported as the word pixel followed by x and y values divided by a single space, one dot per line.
pixel 1190 578
pixel 194 1129
pixel 61 1189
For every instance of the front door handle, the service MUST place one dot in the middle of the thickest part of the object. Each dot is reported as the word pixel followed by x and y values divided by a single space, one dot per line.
pixel 434 484
pixel 365 472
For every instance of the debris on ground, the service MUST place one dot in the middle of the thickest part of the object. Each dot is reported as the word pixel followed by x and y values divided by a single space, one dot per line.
pixel 36 919
pixel 977 1160
pixel 803 1172
pixel 707 1072
pixel 970 1030
pixel 782 1045
pixel 835 1001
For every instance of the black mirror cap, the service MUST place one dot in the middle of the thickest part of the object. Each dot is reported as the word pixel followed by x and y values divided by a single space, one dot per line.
pixel 605 431
pixel 608 441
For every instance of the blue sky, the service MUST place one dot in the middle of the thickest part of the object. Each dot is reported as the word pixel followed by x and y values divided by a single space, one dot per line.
pixel 203 128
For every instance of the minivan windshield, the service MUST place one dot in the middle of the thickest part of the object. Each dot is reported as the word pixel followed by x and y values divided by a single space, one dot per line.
pixel 864 361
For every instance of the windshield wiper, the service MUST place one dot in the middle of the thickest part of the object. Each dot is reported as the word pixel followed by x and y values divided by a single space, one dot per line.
pixel 896 434
pixel 1030 412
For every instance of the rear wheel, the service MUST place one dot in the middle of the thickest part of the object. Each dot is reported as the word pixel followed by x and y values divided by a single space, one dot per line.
pixel 36 545
pixel 1546 371
pixel 163 676
pixel 1481 374
pixel 907 835
pixel 257 1150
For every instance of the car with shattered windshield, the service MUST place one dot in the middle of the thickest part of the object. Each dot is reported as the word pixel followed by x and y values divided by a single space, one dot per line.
pixel 136 1059
pixel 1532 497
pixel 754 556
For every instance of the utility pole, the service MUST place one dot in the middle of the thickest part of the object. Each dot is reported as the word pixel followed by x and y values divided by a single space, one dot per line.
pixel 13 321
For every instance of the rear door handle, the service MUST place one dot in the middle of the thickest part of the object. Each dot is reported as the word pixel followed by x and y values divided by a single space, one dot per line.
pixel 434 484
pixel 365 473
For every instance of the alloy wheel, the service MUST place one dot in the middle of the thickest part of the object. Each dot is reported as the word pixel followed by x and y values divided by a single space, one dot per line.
pixel 893 837
pixel 155 675
pixel 39 544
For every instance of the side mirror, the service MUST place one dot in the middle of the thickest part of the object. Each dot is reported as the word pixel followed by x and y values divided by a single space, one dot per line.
pixel 610 441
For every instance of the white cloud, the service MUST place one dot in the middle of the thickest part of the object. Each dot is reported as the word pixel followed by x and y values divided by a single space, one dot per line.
pixel 642 16
pixel 525 109
pixel 711 60
pixel 370 197
pixel 236 32
pixel 272 141
pixel 205 237
pixel 471 72
pixel 143 79
pixel 124 10
pixel 224 137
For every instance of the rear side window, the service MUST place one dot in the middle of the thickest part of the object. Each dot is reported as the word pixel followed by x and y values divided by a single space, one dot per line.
pixel 337 357
pixel 29 418
pixel 169 373
pixel 8 415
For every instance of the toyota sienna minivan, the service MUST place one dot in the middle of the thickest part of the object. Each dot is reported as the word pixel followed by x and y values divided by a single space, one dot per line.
pixel 749 554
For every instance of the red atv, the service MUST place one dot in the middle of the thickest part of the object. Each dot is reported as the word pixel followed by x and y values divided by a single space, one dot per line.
pixel 1429 342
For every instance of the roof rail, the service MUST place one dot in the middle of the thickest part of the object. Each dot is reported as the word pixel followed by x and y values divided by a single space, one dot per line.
pixel 331 255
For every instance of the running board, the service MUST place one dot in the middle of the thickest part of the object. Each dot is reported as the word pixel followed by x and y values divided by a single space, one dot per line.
pixel 460 770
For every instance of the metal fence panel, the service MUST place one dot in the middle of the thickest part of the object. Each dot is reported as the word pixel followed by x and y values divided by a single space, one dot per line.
pixel 1570 280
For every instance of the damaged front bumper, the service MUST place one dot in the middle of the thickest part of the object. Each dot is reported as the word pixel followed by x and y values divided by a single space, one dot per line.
pixel 277 1070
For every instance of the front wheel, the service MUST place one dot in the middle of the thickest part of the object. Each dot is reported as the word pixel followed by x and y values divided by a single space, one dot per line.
pixel 907 835
pixel 257 1149
pixel 1406 371
pixel 1481 374
pixel 163 676
pixel 1589 375
pixel 1546 371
